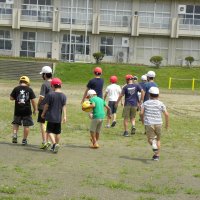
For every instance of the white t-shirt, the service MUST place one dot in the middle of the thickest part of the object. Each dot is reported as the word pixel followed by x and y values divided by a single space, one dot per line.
pixel 113 92
pixel 153 110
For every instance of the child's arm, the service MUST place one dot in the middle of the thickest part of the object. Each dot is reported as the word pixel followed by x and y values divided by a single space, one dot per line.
pixel 84 95
pixel 105 95
pixel 109 111
pixel 46 107
pixel 166 114
pixel 142 97
pixel 118 100
pixel 142 114
pixel 34 106
pixel 64 110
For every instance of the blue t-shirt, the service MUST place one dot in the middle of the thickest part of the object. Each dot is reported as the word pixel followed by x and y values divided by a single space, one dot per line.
pixel 56 101
pixel 131 94
pixel 148 85
pixel 142 84
pixel 96 84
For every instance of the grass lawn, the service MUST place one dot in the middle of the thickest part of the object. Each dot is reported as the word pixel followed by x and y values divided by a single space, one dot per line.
pixel 121 169
pixel 78 73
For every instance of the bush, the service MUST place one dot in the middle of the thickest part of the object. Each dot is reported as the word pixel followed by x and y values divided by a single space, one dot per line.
pixel 156 60
pixel 98 56
pixel 189 60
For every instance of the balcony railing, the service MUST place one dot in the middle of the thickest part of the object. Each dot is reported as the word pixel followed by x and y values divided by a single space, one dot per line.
pixel 5 11
pixel 37 13
pixel 189 24
pixel 78 18
pixel 115 20
pixel 154 22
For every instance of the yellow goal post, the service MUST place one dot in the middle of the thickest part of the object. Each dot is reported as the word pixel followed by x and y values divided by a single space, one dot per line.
pixel 192 82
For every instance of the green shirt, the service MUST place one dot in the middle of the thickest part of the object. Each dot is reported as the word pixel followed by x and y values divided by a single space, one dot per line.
pixel 98 110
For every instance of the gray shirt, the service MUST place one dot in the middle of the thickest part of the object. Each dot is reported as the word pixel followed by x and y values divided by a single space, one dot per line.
pixel 153 110
pixel 45 89
pixel 56 101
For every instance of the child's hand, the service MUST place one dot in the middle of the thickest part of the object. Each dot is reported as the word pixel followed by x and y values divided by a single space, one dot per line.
pixel 42 116
pixel 90 115
pixel 34 112
pixel 64 120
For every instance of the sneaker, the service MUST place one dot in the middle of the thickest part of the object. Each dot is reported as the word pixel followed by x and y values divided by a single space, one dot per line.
pixel 94 146
pixel 113 123
pixel 154 145
pixel 155 158
pixel 107 126
pixel 56 147
pixel 14 139
pixel 42 146
pixel 24 142
pixel 48 144
pixel 125 134
pixel 133 129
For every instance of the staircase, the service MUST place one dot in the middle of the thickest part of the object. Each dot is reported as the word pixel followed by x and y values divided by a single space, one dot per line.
pixel 14 69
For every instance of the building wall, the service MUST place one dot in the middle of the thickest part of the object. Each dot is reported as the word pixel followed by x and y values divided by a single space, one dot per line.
pixel 127 31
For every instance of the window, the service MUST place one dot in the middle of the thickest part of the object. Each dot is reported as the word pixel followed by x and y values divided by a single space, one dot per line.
pixel 115 13
pixel 80 12
pixel 155 14
pixel 36 44
pixel 151 46
pixel 192 15
pixel 37 10
pixel 5 10
pixel 5 40
pixel 78 46
pixel 106 45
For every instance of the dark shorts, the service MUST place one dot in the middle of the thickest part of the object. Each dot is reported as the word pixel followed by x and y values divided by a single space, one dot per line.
pixel 53 128
pixel 40 119
pixel 111 104
pixel 23 120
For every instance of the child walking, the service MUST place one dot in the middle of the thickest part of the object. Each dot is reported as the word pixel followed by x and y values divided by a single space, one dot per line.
pixel 54 113
pixel 23 96
pixel 130 91
pixel 44 90
pixel 96 116
pixel 151 115
pixel 112 91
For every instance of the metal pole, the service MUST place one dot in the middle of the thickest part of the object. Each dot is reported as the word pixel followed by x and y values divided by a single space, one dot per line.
pixel 70 40
pixel 86 31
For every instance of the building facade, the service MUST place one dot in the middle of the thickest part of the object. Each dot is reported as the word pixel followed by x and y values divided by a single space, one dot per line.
pixel 126 31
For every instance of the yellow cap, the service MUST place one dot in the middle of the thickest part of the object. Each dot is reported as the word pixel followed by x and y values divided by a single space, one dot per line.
pixel 25 78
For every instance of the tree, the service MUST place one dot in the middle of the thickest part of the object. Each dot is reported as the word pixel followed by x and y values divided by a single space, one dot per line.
pixel 156 60
pixel 189 60
pixel 98 56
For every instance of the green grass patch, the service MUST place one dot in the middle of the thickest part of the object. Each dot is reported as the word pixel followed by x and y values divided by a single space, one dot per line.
pixel 8 189
pixel 79 73
pixel 191 191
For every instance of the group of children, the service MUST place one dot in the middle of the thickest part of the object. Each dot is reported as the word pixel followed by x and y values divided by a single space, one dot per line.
pixel 51 107
pixel 141 96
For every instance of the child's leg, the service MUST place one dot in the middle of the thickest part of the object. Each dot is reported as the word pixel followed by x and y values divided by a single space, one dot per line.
pixel 15 130
pixel 52 138
pixel 126 124
pixel 26 132
pixel 93 136
pixel 57 138
pixel 97 136
pixel 114 117
pixel 132 121
pixel 43 132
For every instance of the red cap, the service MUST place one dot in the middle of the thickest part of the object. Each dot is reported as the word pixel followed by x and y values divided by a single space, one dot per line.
pixel 113 79
pixel 98 70
pixel 129 77
pixel 56 81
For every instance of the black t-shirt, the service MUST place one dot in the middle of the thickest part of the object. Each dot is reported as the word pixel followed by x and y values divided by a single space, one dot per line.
pixel 96 84
pixel 22 96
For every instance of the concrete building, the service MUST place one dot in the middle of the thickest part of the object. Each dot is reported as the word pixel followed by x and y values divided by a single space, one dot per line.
pixel 127 31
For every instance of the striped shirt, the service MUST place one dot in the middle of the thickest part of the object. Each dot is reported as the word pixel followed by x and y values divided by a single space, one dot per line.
pixel 153 110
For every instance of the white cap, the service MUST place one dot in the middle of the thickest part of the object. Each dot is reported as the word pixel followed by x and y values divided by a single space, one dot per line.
pixel 91 92
pixel 143 77
pixel 151 74
pixel 46 70
pixel 154 90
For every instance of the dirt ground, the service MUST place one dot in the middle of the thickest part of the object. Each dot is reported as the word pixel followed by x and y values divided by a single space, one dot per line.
pixel 121 169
